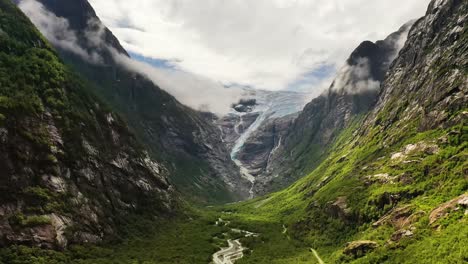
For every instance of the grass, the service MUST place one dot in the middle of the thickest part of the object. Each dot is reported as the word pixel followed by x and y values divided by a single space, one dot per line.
pixel 182 240
pixel 303 209
pixel 334 204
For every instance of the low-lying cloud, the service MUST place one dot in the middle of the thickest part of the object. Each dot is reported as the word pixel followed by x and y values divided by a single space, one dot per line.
pixel 355 79
pixel 266 44
pixel 56 30
pixel 358 78
pixel 197 92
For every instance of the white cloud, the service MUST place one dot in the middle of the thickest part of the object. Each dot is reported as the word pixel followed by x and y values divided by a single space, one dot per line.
pixel 198 92
pixel 195 91
pixel 355 79
pixel 267 44
pixel 56 29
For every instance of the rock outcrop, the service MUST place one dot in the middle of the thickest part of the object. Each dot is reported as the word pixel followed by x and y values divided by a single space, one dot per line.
pixel 359 248
pixel 354 92
pixel 431 69
pixel 70 169
pixel 459 203
pixel 189 144
pixel 263 143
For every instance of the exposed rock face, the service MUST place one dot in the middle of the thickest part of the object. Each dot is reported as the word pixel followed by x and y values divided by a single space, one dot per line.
pixel 354 92
pixel 70 169
pixel 339 209
pixel 85 190
pixel 400 234
pixel 254 129
pixel 245 105
pixel 420 147
pixel 263 143
pixel 234 125
pixel 359 248
pixel 188 143
pixel 444 209
pixel 431 70
pixel 397 217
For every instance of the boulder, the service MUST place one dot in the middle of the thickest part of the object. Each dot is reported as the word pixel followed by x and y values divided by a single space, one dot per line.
pixel 445 208
pixel 398 217
pixel 339 209
pixel 359 248
pixel 402 233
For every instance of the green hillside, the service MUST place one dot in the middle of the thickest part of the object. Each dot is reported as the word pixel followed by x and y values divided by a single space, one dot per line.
pixel 392 187
pixel 69 167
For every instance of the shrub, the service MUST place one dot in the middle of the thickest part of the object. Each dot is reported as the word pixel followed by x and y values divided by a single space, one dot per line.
pixel 29 221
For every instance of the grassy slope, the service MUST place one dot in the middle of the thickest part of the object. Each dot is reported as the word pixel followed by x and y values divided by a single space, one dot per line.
pixel 302 209
pixel 421 182
pixel 180 241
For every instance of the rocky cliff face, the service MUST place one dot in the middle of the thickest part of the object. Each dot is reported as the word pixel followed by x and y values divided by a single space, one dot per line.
pixel 234 125
pixel 262 144
pixel 406 161
pixel 183 139
pixel 431 71
pixel 258 108
pixel 255 127
pixel 70 169
pixel 353 93
pixel 392 186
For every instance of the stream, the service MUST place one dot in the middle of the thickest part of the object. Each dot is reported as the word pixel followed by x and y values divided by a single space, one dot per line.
pixel 234 251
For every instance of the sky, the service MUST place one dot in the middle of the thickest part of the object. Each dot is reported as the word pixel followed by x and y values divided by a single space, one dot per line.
pixel 265 44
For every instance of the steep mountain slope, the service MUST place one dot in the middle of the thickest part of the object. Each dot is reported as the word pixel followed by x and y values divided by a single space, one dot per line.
pixel 70 169
pixel 257 105
pixel 186 141
pixel 354 92
pixel 394 186
pixel 253 129
pixel 391 188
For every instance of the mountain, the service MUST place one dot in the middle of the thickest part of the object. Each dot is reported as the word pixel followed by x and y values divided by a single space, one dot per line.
pixel 186 141
pixel 253 128
pixel 383 151
pixel 352 94
pixel 392 186
pixel 71 170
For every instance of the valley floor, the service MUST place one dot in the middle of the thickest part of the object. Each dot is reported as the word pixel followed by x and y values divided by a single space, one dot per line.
pixel 202 236
pixel 197 239
pixel 356 207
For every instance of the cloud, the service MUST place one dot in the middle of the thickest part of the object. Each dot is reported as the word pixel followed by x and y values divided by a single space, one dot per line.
pixel 268 44
pixel 247 53
pixel 358 78
pixel 399 40
pixel 355 79
pixel 56 30
pixel 197 92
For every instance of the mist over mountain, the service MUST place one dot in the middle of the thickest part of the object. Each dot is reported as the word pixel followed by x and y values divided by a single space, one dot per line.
pixel 175 133
pixel 109 156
